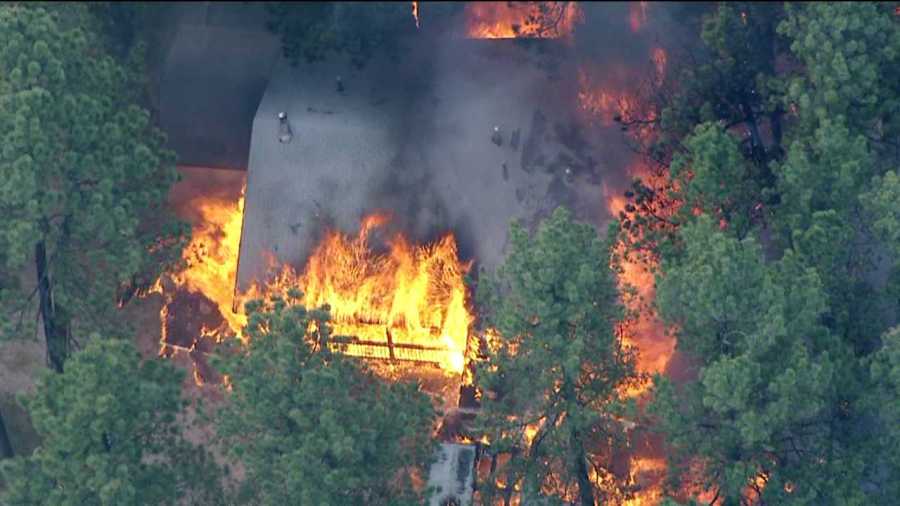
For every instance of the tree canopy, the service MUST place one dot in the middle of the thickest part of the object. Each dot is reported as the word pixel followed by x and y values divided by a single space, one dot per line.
pixel 111 434
pixel 766 401
pixel 311 31
pixel 773 223
pixel 82 166
pixel 312 427
pixel 772 268
pixel 881 403
pixel 553 376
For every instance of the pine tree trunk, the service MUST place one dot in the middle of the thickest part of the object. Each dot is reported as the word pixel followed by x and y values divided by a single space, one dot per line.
pixel 55 335
pixel 585 489
pixel 6 449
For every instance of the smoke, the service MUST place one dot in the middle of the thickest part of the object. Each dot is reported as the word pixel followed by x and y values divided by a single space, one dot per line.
pixel 207 183
pixel 414 138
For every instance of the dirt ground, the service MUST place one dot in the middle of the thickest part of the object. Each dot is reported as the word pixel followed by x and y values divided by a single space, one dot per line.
pixel 19 363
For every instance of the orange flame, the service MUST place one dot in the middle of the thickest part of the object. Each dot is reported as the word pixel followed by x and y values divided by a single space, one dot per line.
pixel 646 333
pixel 409 304
pixel 512 20
pixel 415 13
pixel 614 94
pixel 208 268
pixel 214 251
pixel 603 102
pixel 643 474
pixel 637 16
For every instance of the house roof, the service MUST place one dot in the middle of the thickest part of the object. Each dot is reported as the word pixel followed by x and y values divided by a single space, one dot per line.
pixel 413 137
pixel 210 67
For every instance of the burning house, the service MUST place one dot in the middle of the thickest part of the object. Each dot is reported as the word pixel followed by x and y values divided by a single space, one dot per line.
pixel 404 157
pixel 378 190
pixel 410 139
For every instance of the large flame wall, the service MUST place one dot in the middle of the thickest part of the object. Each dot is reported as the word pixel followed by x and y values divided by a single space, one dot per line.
pixel 409 303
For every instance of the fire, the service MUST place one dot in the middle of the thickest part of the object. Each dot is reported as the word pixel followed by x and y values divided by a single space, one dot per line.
pixel 211 256
pixel 646 333
pixel 695 485
pixel 609 94
pixel 409 304
pixel 660 61
pixel 637 16
pixel 643 332
pixel 208 270
pixel 643 474
pixel 531 431
pixel 415 13
pixel 511 20
pixel 753 491
pixel 604 102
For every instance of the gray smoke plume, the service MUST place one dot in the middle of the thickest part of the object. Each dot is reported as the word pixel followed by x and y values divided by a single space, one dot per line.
pixel 459 136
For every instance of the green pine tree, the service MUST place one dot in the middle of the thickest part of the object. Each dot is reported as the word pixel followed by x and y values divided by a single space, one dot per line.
pixel 787 312
pixel 312 427
pixel 769 400
pixel 557 368
pixel 82 169
pixel 111 428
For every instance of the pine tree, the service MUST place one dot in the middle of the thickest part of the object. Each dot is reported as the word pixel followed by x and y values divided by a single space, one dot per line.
pixel 769 400
pixel 82 169
pixel 111 433
pixel 787 312
pixel 312 427
pixel 552 381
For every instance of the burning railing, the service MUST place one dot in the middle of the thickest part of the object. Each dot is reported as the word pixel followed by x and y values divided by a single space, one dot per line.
pixel 408 304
